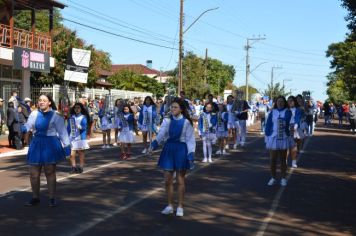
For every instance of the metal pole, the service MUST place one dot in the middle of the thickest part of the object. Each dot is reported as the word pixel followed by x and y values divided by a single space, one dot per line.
pixel 180 69
pixel 248 63
pixel 247 70
pixel 206 65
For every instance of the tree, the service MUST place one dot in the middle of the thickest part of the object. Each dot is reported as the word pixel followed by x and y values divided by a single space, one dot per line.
pixel 251 90
pixel 336 90
pixel 276 90
pixel 63 39
pixel 128 80
pixel 342 81
pixel 218 76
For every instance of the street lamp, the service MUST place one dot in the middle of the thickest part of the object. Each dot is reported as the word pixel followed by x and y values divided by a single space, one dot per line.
pixel 181 32
pixel 285 80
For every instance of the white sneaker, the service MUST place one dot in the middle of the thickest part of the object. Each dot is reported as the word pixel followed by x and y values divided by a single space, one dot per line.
pixel 294 164
pixel 210 160
pixel 218 152
pixel 205 160
pixel 227 146
pixel 107 146
pixel 103 147
pixel 242 144
pixel 168 210
pixel 180 212
pixel 283 182
pixel 261 133
pixel 271 182
pixel 235 146
pixel 115 144
pixel 144 151
pixel 224 152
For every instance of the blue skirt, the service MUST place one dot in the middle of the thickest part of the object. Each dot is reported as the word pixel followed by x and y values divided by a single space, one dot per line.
pixel 45 150
pixel 174 157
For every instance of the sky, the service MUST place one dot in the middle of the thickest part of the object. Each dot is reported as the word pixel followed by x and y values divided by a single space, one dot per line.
pixel 296 35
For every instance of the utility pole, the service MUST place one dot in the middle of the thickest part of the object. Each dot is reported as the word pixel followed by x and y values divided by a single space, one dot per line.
pixel 272 74
pixel 180 66
pixel 247 47
pixel 206 66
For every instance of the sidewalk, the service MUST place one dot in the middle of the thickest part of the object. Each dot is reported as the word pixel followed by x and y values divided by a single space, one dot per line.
pixel 6 151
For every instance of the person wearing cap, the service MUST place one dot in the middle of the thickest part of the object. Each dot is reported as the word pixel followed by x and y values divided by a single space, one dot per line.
pixel 2 115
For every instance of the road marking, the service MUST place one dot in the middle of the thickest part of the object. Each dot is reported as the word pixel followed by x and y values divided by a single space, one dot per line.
pixel 84 227
pixel 277 197
pixel 12 192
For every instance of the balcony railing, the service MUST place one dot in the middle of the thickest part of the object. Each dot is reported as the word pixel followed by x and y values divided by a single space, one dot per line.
pixel 25 39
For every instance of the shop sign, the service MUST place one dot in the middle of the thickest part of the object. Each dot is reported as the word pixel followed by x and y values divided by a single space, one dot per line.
pixel 27 59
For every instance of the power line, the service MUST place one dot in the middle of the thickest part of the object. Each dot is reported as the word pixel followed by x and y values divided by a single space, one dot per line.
pixel 289 62
pixel 118 35
pixel 105 31
pixel 117 21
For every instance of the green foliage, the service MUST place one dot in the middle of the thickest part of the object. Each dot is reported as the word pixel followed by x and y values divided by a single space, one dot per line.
pixel 251 90
pixel 342 81
pixel 218 76
pixel 63 39
pixel 336 90
pixel 22 20
pixel 276 90
pixel 128 80
pixel 350 6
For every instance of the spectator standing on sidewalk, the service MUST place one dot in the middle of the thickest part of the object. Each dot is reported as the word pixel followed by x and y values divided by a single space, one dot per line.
pixel 2 115
pixel 93 116
pixel 12 124
pixel 327 113
pixel 278 138
pixel 340 114
pixel 352 113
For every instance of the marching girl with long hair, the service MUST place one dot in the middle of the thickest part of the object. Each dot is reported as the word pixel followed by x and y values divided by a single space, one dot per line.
pixel 231 124
pixel 178 152
pixel 303 124
pixel 294 129
pixel 146 120
pixel 126 128
pixel 77 130
pixel 221 128
pixel 107 120
pixel 49 145
pixel 278 138
pixel 207 124
pixel 119 103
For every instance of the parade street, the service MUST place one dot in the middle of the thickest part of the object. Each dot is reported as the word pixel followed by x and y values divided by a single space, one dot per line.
pixel 227 197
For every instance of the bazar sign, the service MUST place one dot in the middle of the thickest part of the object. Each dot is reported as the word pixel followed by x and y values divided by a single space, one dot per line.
pixel 27 59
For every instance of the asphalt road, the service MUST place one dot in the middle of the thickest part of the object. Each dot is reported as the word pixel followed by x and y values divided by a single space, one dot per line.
pixel 228 197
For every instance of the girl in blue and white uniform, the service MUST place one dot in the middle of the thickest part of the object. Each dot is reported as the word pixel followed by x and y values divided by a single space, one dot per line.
pixel 294 129
pixel 77 130
pixel 231 123
pixel 107 120
pixel 178 152
pixel 126 128
pixel 303 124
pixel 278 138
pixel 221 128
pixel 207 131
pixel 146 121
pixel 50 144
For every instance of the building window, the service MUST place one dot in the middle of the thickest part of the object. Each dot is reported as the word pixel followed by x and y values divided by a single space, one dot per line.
pixel 17 74
pixel 6 71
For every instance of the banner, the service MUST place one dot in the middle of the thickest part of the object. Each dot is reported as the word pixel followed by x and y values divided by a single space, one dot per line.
pixel 27 59
pixel 77 67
